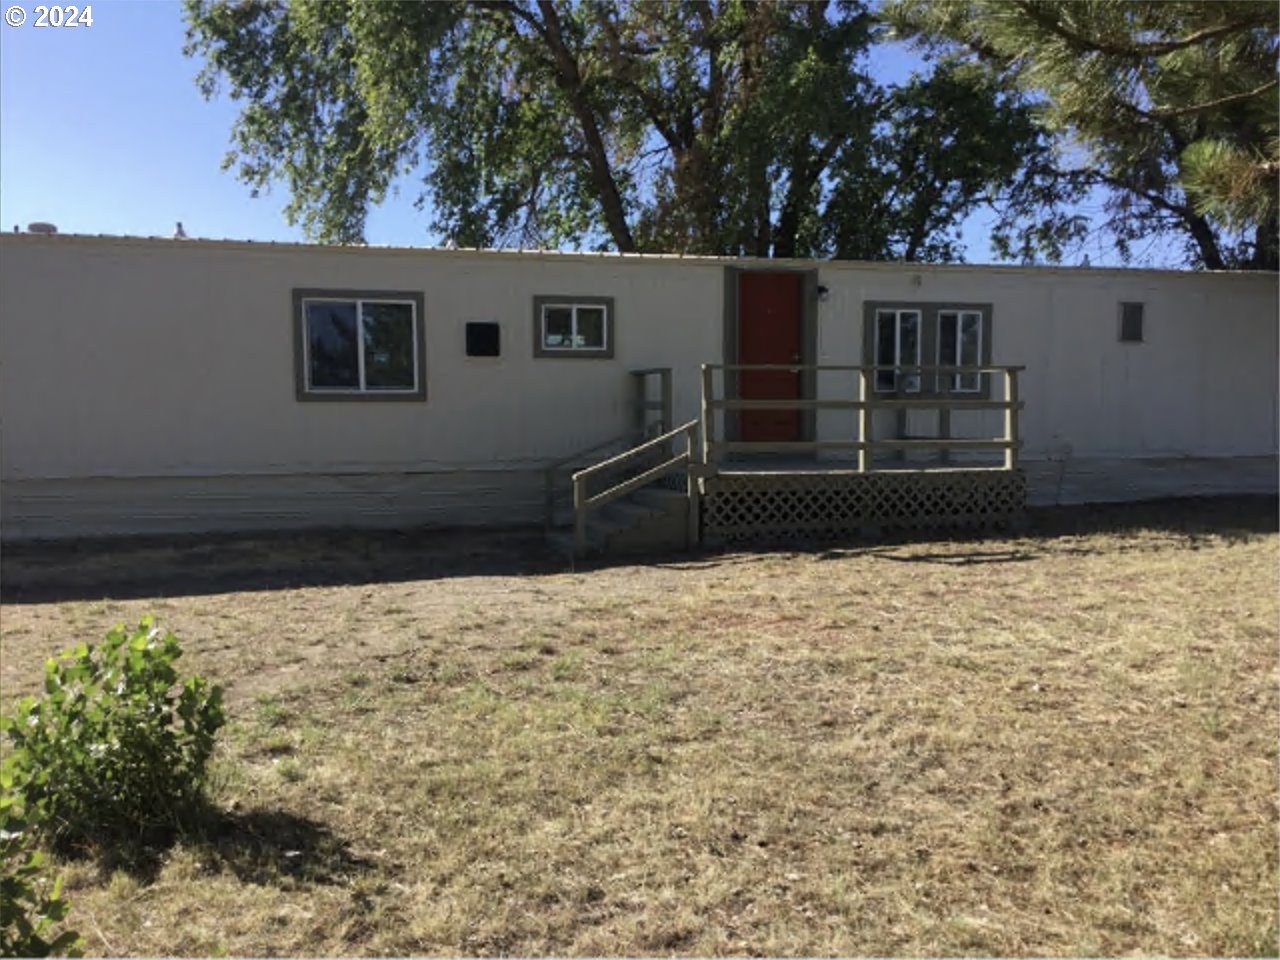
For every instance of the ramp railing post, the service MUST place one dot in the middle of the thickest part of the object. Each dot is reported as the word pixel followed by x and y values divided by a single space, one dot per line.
pixel 691 473
pixel 708 416
pixel 579 517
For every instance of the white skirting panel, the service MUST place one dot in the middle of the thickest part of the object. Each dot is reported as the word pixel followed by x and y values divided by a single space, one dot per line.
pixel 39 509
pixel 1076 480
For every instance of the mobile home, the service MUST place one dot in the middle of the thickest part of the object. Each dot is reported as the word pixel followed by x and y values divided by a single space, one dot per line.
pixel 164 386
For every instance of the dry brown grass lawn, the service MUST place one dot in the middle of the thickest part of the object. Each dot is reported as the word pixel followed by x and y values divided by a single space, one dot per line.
pixel 1063 743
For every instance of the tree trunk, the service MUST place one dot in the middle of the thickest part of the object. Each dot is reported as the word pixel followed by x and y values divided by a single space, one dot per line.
pixel 1266 246
pixel 569 80
pixel 1205 240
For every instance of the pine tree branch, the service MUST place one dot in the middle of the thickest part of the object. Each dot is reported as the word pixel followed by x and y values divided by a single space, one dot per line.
pixel 1228 101
pixel 1079 41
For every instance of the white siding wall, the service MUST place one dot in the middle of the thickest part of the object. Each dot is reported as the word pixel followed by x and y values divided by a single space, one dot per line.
pixel 1203 384
pixel 173 361
pixel 163 359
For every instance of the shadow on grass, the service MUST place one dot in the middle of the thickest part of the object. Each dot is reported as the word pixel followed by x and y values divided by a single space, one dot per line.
pixel 970 559
pixel 189 565
pixel 263 847
pixel 1188 521
pixel 133 568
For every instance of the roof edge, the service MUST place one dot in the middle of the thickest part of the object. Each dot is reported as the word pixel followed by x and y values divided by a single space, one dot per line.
pixel 591 256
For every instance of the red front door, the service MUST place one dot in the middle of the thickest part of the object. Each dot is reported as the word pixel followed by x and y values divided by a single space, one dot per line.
pixel 769 331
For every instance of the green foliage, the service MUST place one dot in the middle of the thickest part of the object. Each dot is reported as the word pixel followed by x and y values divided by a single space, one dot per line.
pixel 116 749
pixel 1172 107
pixel 944 146
pixel 732 128
pixel 27 912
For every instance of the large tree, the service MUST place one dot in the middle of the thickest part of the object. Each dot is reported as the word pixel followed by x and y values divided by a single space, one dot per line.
pixel 1173 107
pixel 720 128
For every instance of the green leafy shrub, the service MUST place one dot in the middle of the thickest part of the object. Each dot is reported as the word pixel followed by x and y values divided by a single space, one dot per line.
pixel 27 913
pixel 116 749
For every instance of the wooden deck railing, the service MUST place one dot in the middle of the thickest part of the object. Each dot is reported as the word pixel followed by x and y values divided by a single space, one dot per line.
pixel 944 400
pixel 583 502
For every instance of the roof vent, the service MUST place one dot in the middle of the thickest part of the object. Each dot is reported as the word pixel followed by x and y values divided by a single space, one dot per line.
pixel 41 227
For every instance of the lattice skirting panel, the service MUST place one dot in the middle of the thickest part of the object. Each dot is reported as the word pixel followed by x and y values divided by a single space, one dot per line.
pixel 814 505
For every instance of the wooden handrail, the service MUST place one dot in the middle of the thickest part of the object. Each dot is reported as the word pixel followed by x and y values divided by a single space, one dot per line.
pixel 911 443
pixel 932 403
pixel 583 503
pixel 901 368
pixel 635 451
pixel 945 401
pixel 638 481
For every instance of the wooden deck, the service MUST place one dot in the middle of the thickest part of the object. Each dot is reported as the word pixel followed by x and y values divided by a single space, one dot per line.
pixel 806 489
pixel 862 483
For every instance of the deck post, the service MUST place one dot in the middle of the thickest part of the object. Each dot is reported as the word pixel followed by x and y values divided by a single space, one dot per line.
pixel 944 414
pixel 708 416
pixel 579 517
pixel 1011 418
pixel 864 421
pixel 692 473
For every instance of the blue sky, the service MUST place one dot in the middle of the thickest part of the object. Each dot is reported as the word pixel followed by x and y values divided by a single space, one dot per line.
pixel 103 130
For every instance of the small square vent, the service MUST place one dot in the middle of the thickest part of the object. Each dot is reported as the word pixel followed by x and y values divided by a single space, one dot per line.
pixel 484 339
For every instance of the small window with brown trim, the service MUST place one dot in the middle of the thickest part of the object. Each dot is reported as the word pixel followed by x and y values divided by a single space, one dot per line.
pixel 1131 322
pixel 573 326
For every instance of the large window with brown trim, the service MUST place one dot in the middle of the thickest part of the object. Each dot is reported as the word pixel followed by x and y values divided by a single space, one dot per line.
pixel 943 334
pixel 359 345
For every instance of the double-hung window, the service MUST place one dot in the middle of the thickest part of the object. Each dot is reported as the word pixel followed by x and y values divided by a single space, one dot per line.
pixel 960 345
pixel 573 326
pixel 359 345
pixel 897 344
